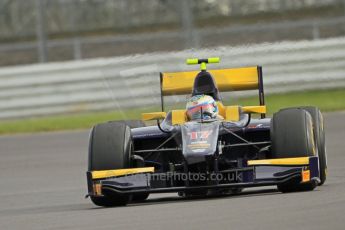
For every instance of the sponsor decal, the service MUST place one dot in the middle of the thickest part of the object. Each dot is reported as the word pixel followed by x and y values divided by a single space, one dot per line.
pixel 199 140
pixel 200 135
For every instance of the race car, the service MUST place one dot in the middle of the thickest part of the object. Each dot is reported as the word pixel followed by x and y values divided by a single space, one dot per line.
pixel 208 148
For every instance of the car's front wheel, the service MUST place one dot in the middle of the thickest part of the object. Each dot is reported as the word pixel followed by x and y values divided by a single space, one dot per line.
pixel 319 134
pixel 292 136
pixel 110 148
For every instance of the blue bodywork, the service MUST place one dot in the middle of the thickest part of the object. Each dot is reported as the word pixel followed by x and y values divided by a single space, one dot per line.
pixel 240 175
pixel 154 132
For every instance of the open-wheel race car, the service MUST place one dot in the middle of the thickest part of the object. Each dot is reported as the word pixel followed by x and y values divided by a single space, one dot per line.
pixel 207 148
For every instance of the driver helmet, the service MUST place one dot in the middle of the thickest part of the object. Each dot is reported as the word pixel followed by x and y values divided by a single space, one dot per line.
pixel 201 107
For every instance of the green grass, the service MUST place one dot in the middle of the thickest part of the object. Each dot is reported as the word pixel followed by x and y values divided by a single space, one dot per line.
pixel 65 122
pixel 328 100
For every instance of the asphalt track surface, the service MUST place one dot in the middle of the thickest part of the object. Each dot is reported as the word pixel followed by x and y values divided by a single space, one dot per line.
pixel 42 186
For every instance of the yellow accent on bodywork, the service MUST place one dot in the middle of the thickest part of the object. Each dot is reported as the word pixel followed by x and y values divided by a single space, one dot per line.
pixel 178 83
pixel 254 109
pixel 232 113
pixel 221 108
pixel 153 116
pixel 178 117
pixel 281 161
pixel 120 172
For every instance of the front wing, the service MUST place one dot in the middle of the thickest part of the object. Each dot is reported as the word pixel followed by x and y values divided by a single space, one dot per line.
pixel 254 173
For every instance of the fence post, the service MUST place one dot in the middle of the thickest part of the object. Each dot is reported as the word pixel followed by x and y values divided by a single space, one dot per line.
pixel 187 19
pixel 77 53
pixel 316 30
pixel 41 31
pixel 77 46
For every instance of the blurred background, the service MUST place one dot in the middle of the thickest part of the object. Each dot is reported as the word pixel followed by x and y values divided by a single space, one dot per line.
pixel 56 30
pixel 61 57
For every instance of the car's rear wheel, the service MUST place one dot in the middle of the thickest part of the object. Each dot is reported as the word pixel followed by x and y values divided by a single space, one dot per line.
pixel 292 136
pixel 110 148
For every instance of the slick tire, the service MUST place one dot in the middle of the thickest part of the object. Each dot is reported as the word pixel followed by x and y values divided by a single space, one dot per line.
pixel 319 135
pixel 110 148
pixel 292 136
pixel 137 124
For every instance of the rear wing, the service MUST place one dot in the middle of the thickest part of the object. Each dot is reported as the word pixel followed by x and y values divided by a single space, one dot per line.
pixel 235 79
